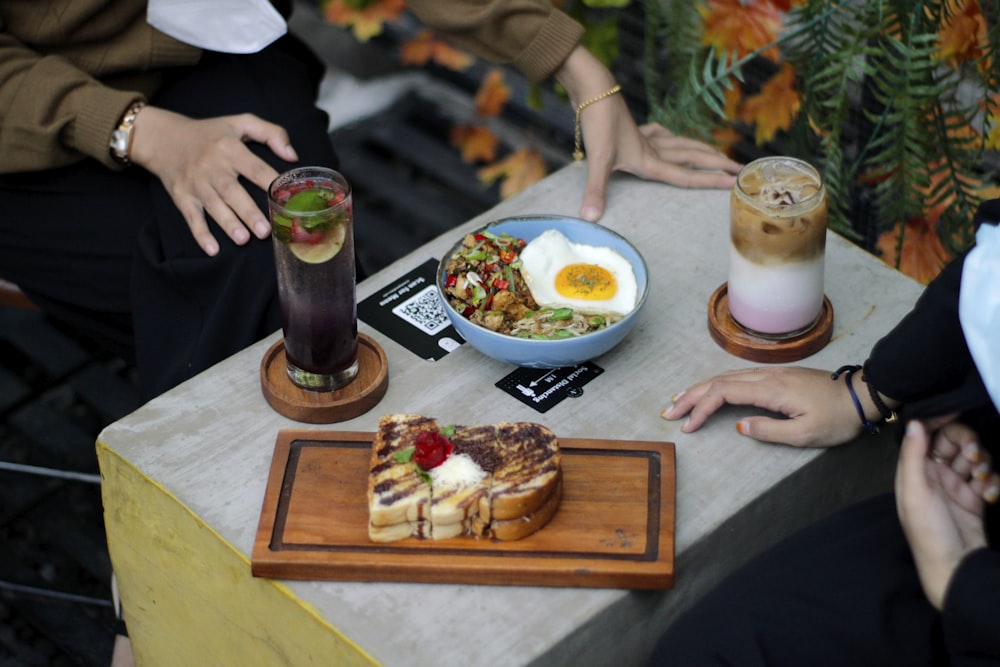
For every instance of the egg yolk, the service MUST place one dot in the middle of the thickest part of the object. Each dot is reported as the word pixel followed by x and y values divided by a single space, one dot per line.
pixel 586 281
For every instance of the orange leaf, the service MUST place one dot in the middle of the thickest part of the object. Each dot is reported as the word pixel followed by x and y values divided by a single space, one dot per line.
pixel 787 5
pixel 963 37
pixel 476 143
pixel 417 51
pixel 492 94
pixel 922 255
pixel 741 25
pixel 733 97
pixel 424 48
pixel 518 170
pixel 725 138
pixel 774 107
pixel 448 56
pixel 366 22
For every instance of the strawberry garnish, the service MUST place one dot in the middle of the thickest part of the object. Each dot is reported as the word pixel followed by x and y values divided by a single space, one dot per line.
pixel 432 449
pixel 300 234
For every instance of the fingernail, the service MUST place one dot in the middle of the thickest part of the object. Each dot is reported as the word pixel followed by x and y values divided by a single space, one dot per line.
pixel 590 213
pixel 687 422
pixel 212 248
pixel 241 235
pixel 912 428
pixel 677 396
pixel 991 494
pixel 742 427
pixel 262 228
pixel 668 413
pixel 291 152
pixel 981 471
pixel 972 452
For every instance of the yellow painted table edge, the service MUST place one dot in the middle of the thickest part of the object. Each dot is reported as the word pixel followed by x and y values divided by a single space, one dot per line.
pixel 188 595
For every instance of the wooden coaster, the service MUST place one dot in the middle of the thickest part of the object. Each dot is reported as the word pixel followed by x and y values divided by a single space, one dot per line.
pixel 326 407
pixel 738 341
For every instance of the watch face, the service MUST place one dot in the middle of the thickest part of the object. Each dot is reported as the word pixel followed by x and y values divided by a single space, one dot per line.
pixel 119 143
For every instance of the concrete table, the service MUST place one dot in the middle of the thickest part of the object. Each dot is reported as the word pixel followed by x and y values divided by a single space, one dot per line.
pixel 184 476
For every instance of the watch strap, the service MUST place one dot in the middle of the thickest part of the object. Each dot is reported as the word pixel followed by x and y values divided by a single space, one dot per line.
pixel 121 136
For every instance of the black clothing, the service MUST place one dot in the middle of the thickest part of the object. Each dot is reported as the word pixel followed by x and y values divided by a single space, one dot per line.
pixel 109 253
pixel 845 591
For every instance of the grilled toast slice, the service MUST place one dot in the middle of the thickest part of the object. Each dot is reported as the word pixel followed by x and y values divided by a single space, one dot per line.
pixel 455 496
pixel 502 481
pixel 397 494
pixel 515 529
pixel 527 475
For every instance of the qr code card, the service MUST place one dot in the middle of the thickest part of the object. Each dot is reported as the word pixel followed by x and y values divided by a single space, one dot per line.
pixel 409 311
pixel 424 311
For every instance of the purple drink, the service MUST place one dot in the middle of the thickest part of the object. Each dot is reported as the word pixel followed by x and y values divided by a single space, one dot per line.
pixel 312 230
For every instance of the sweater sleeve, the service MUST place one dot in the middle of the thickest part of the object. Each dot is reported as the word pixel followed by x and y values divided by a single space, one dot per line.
pixel 61 100
pixel 531 35
pixel 970 617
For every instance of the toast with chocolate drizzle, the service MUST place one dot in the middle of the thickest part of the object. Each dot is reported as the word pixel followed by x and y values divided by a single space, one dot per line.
pixel 500 481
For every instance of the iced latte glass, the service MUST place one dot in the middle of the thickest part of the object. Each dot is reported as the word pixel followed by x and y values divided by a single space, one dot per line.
pixel 778 217
pixel 313 236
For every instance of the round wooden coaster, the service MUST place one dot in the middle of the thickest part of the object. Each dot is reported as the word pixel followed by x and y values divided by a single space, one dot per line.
pixel 326 407
pixel 738 341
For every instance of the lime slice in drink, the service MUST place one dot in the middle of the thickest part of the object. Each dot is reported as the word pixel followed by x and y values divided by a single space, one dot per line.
pixel 323 250
pixel 306 201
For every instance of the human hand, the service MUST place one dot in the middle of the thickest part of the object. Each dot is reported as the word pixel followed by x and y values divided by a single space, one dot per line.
pixel 818 410
pixel 199 163
pixel 614 142
pixel 941 484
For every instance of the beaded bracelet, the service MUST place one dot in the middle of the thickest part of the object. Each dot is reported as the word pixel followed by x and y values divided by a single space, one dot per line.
pixel 888 415
pixel 848 371
pixel 577 140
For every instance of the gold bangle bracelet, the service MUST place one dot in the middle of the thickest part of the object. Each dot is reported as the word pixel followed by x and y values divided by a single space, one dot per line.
pixel 578 144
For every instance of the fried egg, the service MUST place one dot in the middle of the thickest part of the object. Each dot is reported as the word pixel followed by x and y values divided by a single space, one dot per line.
pixel 589 279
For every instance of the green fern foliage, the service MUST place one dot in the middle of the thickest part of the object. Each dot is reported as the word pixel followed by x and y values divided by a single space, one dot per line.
pixel 887 122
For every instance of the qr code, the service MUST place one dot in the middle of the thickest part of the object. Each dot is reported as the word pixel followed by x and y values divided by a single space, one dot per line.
pixel 424 311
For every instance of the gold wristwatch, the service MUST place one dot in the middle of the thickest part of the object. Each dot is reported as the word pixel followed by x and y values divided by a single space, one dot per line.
pixel 121 138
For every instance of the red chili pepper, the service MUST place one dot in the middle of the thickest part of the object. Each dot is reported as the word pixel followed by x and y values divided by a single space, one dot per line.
pixel 500 283
pixel 468 311
pixel 452 280
pixel 479 237
pixel 489 267
pixel 508 256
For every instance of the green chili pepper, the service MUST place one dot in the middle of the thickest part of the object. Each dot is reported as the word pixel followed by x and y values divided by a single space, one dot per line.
pixel 596 321
pixel 558 334
pixel 561 314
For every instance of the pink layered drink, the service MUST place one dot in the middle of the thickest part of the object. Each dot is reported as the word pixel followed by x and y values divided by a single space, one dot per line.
pixel 312 231
pixel 776 259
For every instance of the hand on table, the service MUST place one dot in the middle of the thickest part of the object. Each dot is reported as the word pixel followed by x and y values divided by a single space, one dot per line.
pixel 818 410
pixel 200 162
pixel 942 481
pixel 614 143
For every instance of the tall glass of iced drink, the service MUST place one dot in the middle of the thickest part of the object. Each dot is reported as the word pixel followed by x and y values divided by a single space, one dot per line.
pixel 313 236
pixel 778 217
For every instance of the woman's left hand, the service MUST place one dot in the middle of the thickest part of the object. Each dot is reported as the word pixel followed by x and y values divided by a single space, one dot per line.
pixel 942 480
pixel 614 142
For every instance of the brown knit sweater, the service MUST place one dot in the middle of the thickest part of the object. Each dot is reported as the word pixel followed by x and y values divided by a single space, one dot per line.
pixel 70 68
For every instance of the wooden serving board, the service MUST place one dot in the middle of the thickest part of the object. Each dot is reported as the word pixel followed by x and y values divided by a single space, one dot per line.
pixel 614 527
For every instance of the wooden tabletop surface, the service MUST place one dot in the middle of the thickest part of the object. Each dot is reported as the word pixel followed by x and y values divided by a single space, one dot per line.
pixel 209 443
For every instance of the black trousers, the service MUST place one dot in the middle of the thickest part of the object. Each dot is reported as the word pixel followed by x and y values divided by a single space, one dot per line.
pixel 843 592
pixel 110 255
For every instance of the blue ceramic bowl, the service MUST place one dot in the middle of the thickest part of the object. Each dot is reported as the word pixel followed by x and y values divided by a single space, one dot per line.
pixel 551 353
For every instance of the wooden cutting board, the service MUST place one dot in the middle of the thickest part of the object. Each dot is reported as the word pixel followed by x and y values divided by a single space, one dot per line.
pixel 614 527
